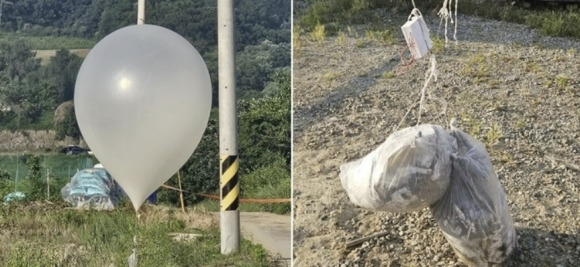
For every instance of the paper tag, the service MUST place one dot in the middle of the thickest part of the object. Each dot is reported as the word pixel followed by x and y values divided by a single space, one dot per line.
pixel 417 36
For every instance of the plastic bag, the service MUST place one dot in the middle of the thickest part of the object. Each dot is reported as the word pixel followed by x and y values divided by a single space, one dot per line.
pixel 473 214
pixel 409 171
pixel 93 188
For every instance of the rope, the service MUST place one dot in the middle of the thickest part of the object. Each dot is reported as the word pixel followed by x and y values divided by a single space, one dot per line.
pixel 446 14
pixel 431 73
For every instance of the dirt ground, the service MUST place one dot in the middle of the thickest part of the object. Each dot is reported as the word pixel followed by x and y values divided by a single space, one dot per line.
pixel 514 90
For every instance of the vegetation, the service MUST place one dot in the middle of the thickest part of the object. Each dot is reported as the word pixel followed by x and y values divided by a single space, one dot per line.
pixel 552 21
pixel 39 96
pixel 40 234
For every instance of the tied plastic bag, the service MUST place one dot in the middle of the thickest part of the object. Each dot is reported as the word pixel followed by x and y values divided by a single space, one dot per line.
pixel 408 172
pixel 473 214
pixel 92 188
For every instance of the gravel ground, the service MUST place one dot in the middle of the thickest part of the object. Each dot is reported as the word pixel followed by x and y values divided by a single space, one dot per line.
pixel 514 90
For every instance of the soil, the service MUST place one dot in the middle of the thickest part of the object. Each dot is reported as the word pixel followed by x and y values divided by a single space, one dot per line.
pixel 514 90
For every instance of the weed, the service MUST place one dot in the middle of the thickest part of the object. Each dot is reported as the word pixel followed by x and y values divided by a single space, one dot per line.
pixel 387 37
pixel 360 43
pixel 438 45
pixel 330 76
pixel 493 134
pixel 370 35
pixel 473 126
pixel 561 81
pixel 506 157
pixel 351 32
pixel 389 75
pixel 533 67
pixel 520 124
pixel 296 31
pixel 318 34
pixel 92 238
pixel 341 38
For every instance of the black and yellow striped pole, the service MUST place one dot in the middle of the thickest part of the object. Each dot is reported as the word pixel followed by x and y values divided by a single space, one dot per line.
pixel 229 163
pixel 229 183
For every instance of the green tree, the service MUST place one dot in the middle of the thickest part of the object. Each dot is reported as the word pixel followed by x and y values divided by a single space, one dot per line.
pixel 65 122
pixel 265 126
pixel 256 63
pixel 62 72
pixel 200 174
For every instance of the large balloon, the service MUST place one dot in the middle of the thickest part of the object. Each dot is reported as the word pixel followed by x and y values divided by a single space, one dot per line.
pixel 142 102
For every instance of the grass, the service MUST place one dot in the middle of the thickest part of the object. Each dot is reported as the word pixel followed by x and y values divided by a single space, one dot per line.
pixel 318 34
pixel 438 44
pixel 209 205
pixel 494 133
pixel 44 122
pixel 341 38
pixel 52 42
pixel 385 37
pixel 389 75
pixel 48 235
pixel 348 12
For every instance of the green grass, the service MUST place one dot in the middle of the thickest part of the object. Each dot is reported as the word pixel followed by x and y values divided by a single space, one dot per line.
pixel 549 21
pixel 52 42
pixel 37 234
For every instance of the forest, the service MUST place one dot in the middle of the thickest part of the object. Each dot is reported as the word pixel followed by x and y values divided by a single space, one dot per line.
pixel 36 95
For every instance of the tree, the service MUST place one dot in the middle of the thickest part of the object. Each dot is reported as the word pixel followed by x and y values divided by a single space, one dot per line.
pixel 62 72
pixel 65 122
pixel 256 63
pixel 264 129
pixel 200 174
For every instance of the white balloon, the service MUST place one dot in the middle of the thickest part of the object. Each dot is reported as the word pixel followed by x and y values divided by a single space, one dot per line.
pixel 142 102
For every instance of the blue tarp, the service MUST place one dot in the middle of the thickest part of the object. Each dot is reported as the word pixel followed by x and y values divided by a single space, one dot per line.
pixel 93 188
pixel 14 196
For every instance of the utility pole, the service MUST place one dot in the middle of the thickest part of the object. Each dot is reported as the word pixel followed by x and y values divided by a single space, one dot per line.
pixel 229 182
pixel 140 12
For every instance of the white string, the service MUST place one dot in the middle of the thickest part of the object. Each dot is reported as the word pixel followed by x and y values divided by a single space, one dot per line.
pixel 446 14
pixel 431 73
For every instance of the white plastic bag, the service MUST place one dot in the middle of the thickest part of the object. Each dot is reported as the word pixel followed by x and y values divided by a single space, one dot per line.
pixel 409 171
pixel 473 214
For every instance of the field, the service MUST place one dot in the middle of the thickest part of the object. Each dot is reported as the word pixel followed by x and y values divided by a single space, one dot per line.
pixel 45 55
pixel 51 42
pixel 44 234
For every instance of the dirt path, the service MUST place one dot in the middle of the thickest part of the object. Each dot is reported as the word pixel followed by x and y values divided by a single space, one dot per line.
pixel 272 231
pixel 516 91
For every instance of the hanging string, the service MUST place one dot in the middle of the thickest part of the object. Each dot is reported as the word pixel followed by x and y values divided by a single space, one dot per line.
pixel 430 74
pixel 446 14
pixel 132 260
